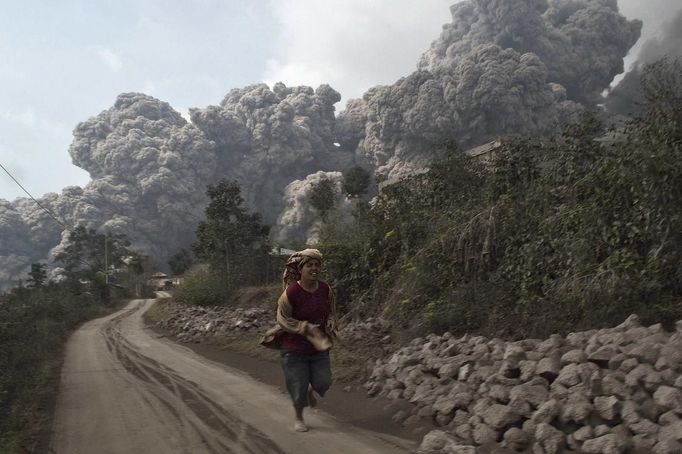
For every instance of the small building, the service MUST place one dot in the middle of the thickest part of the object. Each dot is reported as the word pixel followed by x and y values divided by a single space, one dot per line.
pixel 160 281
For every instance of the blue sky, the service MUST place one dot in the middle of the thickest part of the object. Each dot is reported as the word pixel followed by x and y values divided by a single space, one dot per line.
pixel 65 61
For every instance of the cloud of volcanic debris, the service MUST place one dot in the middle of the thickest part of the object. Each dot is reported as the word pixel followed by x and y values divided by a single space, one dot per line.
pixel 500 67
pixel 626 98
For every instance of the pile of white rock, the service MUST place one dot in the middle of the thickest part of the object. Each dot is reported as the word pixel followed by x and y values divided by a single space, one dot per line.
pixel 616 390
pixel 201 324
pixel 371 330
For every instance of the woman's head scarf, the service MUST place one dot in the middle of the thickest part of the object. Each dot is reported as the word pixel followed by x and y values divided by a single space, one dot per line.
pixel 292 271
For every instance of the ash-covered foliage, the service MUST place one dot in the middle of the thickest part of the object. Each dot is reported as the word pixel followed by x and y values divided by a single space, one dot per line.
pixel 546 235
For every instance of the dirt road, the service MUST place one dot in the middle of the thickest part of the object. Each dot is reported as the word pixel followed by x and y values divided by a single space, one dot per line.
pixel 124 390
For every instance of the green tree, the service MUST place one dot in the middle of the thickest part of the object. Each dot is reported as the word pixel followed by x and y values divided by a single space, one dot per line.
pixel 180 261
pixel 231 240
pixel 201 286
pixel 86 254
pixel 136 276
pixel 323 196
pixel 356 181
pixel 37 276
pixel 85 251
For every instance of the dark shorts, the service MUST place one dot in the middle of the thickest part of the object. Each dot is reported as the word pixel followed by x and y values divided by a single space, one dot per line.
pixel 301 370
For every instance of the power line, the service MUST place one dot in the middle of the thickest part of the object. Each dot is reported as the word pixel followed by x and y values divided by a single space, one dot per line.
pixel 64 226
pixel 33 198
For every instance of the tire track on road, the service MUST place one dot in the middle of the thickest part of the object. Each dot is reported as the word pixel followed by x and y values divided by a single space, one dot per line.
pixel 124 390
pixel 218 428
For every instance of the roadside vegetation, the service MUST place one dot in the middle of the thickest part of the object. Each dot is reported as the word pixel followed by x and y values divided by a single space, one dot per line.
pixel 231 250
pixel 36 318
pixel 543 236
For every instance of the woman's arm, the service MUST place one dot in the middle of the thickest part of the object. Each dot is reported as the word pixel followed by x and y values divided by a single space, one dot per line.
pixel 332 321
pixel 285 317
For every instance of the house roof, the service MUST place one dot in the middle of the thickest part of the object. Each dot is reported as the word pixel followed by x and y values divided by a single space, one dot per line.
pixel 281 251
pixel 484 149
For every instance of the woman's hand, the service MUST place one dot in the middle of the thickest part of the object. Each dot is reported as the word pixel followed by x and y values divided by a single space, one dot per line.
pixel 310 328
pixel 330 326
pixel 318 338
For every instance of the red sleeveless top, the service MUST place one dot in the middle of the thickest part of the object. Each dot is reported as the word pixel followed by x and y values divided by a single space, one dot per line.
pixel 313 307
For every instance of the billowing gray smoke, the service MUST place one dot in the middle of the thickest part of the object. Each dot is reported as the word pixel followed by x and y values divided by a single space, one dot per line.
pixel 267 138
pixel 490 92
pixel 26 234
pixel 299 221
pixel 626 98
pixel 501 66
pixel 149 169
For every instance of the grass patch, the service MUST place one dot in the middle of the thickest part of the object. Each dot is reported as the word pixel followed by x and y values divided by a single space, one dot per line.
pixel 157 312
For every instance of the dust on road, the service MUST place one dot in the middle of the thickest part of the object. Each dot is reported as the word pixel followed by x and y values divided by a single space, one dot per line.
pixel 124 390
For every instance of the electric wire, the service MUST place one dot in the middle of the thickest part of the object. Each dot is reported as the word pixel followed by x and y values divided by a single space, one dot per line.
pixel 33 198
pixel 64 226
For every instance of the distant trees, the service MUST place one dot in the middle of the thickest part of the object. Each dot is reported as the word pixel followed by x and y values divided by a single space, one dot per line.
pixel 37 276
pixel 356 181
pixel 86 253
pixel 231 240
pixel 323 197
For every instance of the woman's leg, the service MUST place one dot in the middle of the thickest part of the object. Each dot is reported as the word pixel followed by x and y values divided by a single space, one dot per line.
pixel 320 373
pixel 297 377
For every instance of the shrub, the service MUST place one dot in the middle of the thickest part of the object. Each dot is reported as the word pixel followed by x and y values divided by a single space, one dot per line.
pixel 202 286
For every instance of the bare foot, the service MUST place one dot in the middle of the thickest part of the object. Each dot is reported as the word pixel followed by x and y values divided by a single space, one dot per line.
pixel 312 400
pixel 299 426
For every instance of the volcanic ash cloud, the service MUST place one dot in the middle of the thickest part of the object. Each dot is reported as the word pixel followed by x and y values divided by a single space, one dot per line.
pixel 500 67
pixel 627 98
pixel 299 221
pixel 266 138
pixel 149 168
